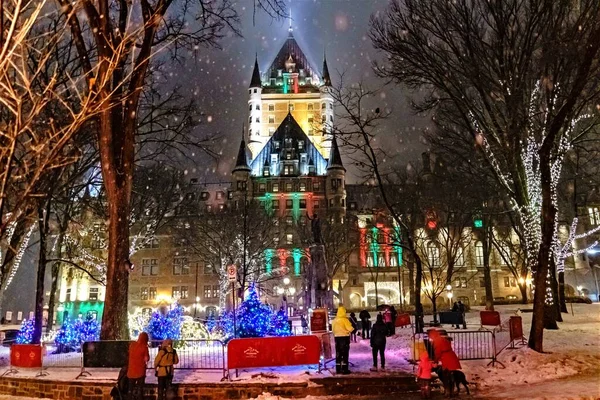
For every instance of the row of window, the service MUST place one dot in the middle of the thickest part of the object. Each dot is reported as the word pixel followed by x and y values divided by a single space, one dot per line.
pixel 150 267
pixel 93 294
pixel 289 187
pixel 433 255
pixel 180 292
pixel 309 106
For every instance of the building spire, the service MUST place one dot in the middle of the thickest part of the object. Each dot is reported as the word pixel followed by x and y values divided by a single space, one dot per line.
pixel 241 163
pixel 290 29
pixel 326 77
pixel 335 158
pixel 255 81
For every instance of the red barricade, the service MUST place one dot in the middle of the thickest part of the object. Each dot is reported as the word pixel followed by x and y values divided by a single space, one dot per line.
pixel 403 320
pixel 273 351
pixel 26 355
pixel 490 318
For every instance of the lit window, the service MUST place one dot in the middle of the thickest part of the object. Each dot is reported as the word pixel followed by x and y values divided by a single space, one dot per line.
pixel 288 187
pixel 216 291
pixel 219 195
pixel 176 293
pixel 152 293
pixel 460 258
pixel 594 214
pixel 289 238
pixel 370 260
pixel 149 266
pixel 506 281
pixel 183 294
pixel 144 293
pixel 276 187
pixel 291 107
pixel 180 266
pixel 271 119
pixel 207 292
pixel 271 108
pixel 479 254
pixel 303 186
pixel 310 106
pixel 93 296
pixel 381 261
pixel 262 187
pixel 289 204
pixel 289 220
pixel 433 255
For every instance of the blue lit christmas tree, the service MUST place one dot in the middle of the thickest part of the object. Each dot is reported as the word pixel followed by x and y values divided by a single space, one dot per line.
pixel 253 317
pixel 26 331
pixel 279 324
pixel 166 325
pixel 73 333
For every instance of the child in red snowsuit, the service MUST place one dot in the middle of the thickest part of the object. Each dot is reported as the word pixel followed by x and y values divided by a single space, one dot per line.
pixel 424 375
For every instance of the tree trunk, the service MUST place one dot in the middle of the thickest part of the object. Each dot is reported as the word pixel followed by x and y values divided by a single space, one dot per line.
pixel 561 292
pixel 55 277
pixel 487 274
pixel 434 308
pixel 523 289
pixel 536 334
pixel 557 314
pixel 411 282
pixel 418 280
pixel 43 217
pixel 114 317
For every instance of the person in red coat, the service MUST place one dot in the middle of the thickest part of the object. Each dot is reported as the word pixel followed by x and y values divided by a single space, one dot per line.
pixel 136 367
pixel 447 356
pixel 424 375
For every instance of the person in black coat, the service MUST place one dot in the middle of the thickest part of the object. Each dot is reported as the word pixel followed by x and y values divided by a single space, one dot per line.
pixel 365 319
pixel 378 340
pixel 461 310
pixel 354 323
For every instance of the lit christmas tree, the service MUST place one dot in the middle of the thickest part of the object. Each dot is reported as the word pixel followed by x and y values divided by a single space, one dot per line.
pixel 253 317
pixel 279 324
pixel 166 325
pixel 26 332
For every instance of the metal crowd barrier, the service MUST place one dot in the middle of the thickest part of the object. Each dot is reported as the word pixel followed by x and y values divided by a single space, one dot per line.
pixel 205 354
pixel 467 344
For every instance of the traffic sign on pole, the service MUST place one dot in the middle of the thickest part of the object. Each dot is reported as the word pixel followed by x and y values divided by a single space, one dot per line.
pixel 231 273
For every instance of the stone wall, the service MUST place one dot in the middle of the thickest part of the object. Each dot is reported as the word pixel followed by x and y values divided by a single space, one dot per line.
pixel 59 390
pixel 89 390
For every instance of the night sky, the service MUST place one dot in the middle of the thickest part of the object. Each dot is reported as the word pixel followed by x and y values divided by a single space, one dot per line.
pixel 219 79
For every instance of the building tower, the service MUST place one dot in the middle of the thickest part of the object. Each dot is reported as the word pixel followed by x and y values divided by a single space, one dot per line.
pixel 241 184
pixel 289 85
pixel 255 110
pixel 336 186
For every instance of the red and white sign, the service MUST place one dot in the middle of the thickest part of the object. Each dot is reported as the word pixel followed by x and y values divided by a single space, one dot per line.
pixel 26 355
pixel 273 352
pixel 231 273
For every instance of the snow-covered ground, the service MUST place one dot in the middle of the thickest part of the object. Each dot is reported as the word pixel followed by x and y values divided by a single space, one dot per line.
pixel 569 370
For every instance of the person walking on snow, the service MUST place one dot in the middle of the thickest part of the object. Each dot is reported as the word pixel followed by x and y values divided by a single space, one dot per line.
pixel 378 341
pixel 163 364
pixel 354 323
pixel 136 367
pixel 365 318
pixel 424 375
pixel 342 328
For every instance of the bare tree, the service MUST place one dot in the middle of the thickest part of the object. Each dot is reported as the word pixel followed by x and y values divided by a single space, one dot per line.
pixel 516 76
pixel 165 23
pixel 357 126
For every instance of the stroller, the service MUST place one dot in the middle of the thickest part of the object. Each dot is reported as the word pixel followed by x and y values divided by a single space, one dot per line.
pixel 119 391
